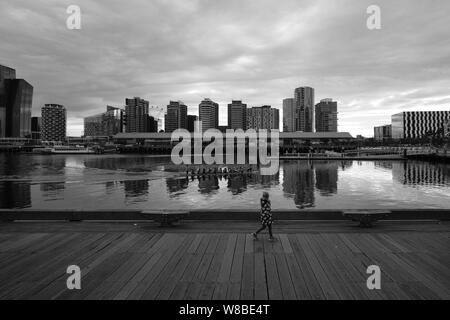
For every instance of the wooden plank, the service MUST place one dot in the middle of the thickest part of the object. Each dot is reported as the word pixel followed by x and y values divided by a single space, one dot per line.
pixel 152 274
pixel 234 290
pixel 345 282
pixel 287 248
pixel 247 284
pixel 157 252
pixel 110 287
pixel 328 263
pixel 287 287
pixel 48 286
pixel 314 289
pixel 32 268
pixel 173 270
pixel 213 272
pixel 319 273
pixel 260 281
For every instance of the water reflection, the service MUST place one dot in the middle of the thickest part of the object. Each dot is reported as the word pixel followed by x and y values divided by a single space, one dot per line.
pixel 115 181
pixel 135 188
pixel 53 190
pixel 15 194
pixel 125 163
pixel 327 178
pixel 208 184
pixel 299 182
pixel 421 173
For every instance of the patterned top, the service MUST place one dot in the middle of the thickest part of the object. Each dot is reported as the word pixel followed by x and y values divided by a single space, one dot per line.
pixel 266 215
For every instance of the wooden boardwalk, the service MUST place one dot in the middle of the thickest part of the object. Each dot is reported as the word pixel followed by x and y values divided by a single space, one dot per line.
pixel 128 261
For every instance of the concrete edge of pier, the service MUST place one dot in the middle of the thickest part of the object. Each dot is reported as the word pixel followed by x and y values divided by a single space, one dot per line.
pixel 211 215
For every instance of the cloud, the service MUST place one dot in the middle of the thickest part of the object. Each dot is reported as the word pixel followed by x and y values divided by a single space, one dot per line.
pixel 257 51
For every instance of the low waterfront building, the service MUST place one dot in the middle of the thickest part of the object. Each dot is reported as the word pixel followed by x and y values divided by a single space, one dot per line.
pixel 383 133
pixel 418 124
pixel 286 138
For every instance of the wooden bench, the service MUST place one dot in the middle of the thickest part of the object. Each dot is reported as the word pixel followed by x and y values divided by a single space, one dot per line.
pixel 166 217
pixel 366 218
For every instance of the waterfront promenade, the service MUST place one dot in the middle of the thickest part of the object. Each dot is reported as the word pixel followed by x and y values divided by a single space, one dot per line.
pixel 219 260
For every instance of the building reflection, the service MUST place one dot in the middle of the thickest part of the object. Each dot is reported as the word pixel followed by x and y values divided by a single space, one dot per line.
pixel 135 188
pixel 175 185
pixel 124 163
pixel 344 165
pixel 208 184
pixel 298 180
pixel 235 183
pixel 302 178
pixel 326 177
pixel 421 173
pixel 17 164
pixel 15 195
pixel 53 190
pixel 384 164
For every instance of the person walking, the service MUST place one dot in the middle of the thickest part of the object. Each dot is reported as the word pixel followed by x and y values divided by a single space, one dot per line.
pixel 266 217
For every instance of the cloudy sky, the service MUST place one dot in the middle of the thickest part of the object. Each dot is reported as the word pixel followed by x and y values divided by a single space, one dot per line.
pixel 254 50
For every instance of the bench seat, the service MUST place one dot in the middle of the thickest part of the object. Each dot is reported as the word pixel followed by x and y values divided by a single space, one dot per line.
pixel 366 218
pixel 166 217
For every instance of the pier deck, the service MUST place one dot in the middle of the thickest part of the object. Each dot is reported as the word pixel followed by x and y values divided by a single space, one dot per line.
pixel 219 260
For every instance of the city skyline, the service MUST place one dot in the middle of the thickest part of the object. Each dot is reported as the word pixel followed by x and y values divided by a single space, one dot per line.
pixel 371 74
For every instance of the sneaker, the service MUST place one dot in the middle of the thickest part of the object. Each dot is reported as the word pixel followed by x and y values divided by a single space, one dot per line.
pixel 255 236
pixel 271 239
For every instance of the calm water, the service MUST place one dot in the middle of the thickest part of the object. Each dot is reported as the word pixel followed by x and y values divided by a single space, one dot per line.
pixel 124 181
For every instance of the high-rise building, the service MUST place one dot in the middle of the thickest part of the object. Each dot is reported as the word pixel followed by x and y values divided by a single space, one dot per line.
pixel 54 123
pixel 136 113
pixel 5 73
pixel 237 115
pixel 19 99
pixel 417 124
pixel 209 114
pixel 447 129
pixel 152 124
pixel 191 122
pixel 326 116
pixel 382 133
pixel 16 98
pixel 36 124
pixel 176 116
pixel 264 117
pixel 289 115
pixel 304 109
